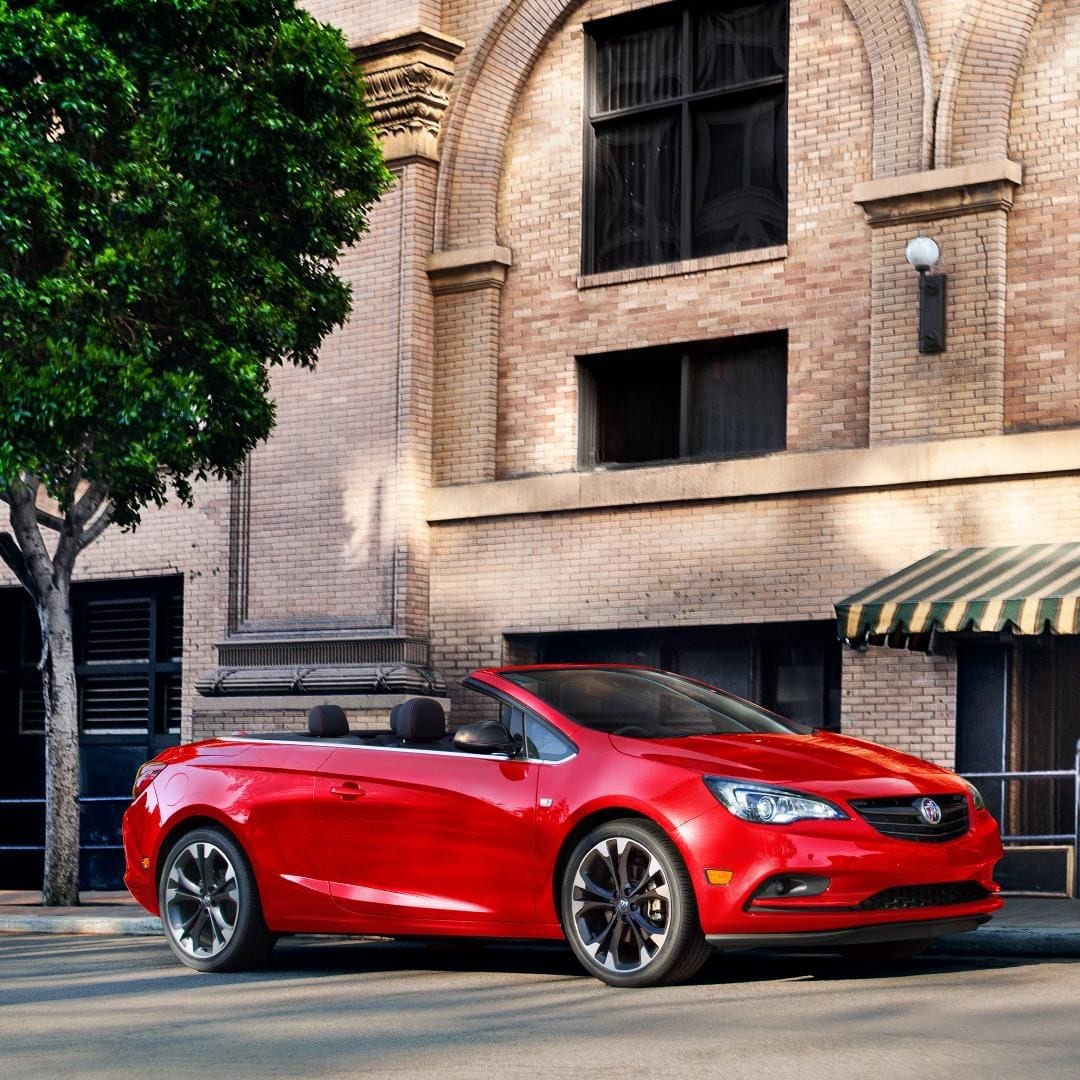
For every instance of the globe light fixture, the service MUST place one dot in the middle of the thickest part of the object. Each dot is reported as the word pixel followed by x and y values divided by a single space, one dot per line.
pixel 923 253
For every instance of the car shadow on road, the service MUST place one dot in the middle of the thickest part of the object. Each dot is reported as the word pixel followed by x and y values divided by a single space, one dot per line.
pixel 313 956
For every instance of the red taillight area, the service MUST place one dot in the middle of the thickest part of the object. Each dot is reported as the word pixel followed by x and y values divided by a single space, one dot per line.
pixel 145 777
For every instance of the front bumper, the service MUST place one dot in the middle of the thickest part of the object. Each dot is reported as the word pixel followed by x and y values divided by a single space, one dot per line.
pixel 858 862
pixel 920 930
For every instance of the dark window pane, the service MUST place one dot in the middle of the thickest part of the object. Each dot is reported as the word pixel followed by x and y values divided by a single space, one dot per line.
pixel 171 641
pixel 637 409
pixel 167 719
pixel 638 68
pixel 738 400
pixel 31 705
pixel 117 630
pixel 740 44
pixel 637 192
pixel 740 175
pixel 115 705
pixel 793 681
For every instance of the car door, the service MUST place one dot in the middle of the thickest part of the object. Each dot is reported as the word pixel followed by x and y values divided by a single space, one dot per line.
pixel 425 838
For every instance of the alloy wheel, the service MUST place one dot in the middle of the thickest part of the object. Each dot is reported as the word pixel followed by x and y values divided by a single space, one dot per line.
pixel 202 905
pixel 621 905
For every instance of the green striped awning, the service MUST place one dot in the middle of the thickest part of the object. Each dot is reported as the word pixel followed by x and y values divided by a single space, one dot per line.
pixel 1027 589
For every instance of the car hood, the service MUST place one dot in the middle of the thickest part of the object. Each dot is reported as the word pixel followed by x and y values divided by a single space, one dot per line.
pixel 823 761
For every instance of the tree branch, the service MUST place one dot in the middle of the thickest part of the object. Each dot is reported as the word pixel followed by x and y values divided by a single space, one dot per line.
pixel 74 537
pixel 13 557
pixel 96 527
pixel 50 521
pixel 87 506
pixel 23 502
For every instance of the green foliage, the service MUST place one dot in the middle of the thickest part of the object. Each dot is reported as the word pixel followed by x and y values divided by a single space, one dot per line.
pixel 177 178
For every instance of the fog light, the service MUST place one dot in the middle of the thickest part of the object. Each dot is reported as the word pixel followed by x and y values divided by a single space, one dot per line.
pixel 719 877
pixel 792 885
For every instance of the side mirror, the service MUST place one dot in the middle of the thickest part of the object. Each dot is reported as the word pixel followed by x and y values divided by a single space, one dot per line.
pixel 486 737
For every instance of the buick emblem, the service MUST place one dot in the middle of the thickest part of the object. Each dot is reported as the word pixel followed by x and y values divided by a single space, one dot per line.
pixel 929 811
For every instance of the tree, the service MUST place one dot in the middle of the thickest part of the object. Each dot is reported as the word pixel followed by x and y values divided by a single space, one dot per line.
pixel 177 178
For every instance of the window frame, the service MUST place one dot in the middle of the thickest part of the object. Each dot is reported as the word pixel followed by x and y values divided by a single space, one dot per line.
pixel 684 103
pixel 684 355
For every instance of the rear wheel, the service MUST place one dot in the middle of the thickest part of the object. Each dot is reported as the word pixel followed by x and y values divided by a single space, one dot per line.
pixel 628 907
pixel 209 903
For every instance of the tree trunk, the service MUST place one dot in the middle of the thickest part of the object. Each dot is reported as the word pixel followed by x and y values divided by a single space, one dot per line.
pixel 61 882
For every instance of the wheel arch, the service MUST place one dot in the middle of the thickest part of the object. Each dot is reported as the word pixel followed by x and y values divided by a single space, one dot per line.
pixel 189 823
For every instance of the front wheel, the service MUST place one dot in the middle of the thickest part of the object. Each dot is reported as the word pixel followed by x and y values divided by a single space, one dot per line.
pixel 209 904
pixel 628 907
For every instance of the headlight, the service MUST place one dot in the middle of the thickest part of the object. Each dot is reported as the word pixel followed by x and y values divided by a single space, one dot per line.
pixel 976 795
pixel 767 805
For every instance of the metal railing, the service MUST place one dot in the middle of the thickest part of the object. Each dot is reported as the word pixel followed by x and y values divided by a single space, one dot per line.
pixel 40 801
pixel 1006 778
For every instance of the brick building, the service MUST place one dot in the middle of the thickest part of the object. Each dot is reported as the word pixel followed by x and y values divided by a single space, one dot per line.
pixel 634 374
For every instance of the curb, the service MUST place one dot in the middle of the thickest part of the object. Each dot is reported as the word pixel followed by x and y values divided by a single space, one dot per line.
pixel 81 924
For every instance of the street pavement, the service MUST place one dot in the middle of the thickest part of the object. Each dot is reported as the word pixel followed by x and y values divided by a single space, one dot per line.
pixel 1032 926
pixel 103 1007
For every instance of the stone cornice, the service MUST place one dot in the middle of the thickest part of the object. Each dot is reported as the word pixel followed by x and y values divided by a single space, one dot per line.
pixel 939 193
pixel 898 465
pixel 408 78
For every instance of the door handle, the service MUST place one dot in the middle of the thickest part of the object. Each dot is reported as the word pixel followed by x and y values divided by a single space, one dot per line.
pixel 348 791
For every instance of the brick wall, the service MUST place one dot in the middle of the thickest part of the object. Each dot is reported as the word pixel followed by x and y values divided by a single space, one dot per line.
pixel 361 21
pixel 820 291
pixel 710 563
pixel 960 392
pixel 1042 367
pixel 324 510
pixel 902 699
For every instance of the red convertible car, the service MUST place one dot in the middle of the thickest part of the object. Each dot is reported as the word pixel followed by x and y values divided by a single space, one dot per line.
pixel 645 817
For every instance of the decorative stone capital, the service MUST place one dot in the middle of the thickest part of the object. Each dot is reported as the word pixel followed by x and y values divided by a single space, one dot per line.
pixel 408 79
pixel 467 269
pixel 939 193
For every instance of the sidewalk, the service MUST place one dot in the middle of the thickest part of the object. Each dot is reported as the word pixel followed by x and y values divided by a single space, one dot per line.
pixel 1031 926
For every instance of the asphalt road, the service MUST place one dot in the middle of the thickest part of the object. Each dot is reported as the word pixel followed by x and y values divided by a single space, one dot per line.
pixel 103 1007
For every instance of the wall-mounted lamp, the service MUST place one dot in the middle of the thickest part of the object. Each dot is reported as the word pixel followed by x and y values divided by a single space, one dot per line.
pixel 923 253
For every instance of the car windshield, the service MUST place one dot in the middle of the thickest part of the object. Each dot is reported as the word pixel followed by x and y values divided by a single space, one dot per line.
pixel 647 704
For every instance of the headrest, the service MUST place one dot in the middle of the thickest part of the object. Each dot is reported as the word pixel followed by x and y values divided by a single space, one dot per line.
pixel 420 719
pixel 326 721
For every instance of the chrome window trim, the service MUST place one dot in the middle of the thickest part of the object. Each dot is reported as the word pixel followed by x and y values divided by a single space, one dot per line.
pixel 328 743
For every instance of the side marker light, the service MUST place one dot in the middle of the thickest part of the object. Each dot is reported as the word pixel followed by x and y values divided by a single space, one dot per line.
pixel 719 877
pixel 146 862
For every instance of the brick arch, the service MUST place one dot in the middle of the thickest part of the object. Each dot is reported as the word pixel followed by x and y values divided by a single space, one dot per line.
pixel 479 123
pixel 977 84
pixel 896 44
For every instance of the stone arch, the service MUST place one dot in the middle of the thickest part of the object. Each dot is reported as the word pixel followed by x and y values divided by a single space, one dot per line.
pixel 975 104
pixel 896 44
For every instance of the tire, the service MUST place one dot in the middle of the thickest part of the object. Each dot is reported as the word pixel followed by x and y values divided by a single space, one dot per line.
pixel 209 904
pixel 886 952
pixel 628 907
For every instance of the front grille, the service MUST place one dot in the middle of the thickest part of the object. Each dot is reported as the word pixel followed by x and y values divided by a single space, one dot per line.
pixel 900 818
pixel 919 896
